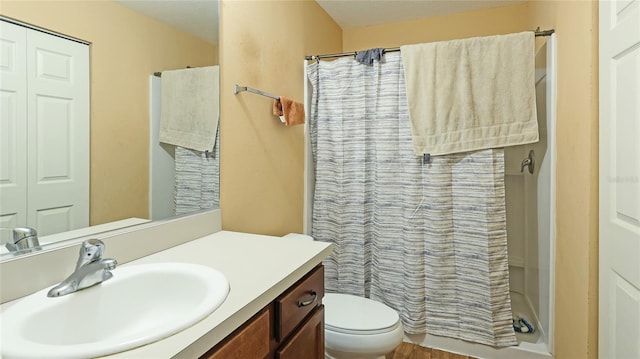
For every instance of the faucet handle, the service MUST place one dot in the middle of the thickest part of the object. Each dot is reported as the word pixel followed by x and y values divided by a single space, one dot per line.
pixel 90 251
pixel 24 238
pixel 21 233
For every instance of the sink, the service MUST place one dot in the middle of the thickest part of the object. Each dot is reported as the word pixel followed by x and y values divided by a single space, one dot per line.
pixel 139 305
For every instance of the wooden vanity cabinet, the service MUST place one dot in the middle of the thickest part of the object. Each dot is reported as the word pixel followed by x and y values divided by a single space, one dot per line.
pixel 290 327
pixel 308 341
pixel 249 341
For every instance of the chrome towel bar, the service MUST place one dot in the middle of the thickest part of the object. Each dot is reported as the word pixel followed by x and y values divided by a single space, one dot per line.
pixel 237 89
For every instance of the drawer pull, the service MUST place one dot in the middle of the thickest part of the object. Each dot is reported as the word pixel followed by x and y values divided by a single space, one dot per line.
pixel 304 303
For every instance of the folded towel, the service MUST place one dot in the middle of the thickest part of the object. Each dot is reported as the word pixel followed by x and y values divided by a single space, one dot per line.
pixel 190 105
pixel 367 56
pixel 291 112
pixel 471 94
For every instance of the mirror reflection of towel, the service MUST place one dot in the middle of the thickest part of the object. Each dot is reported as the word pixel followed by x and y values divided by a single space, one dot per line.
pixel 292 111
pixel 190 107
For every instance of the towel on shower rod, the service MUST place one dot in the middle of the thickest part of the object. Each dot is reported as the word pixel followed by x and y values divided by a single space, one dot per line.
pixel 291 112
pixel 367 56
pixel 189 109
pixel 471 94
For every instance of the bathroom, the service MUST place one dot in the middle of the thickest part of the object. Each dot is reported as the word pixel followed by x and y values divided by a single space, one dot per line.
pixel 248 24
pixel 262 163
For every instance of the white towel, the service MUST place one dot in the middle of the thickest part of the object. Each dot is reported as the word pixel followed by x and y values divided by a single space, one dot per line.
pixel 190 105
pixel 471 94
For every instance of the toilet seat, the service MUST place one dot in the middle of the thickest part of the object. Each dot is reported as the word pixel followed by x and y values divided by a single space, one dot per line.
pixel 350 314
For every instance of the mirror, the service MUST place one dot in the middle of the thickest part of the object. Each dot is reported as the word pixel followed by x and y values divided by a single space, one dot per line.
pixel 129 42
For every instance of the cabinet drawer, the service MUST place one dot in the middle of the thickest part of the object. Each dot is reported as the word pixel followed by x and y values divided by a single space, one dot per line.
pixel 308 341
pixel 250 341
pixel 300 300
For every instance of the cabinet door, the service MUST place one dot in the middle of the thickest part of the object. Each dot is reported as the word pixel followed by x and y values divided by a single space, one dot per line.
pixel 251 341
pixel 308 341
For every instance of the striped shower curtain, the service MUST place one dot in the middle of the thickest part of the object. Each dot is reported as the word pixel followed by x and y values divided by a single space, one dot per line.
pixel 197 179
pixel 429 240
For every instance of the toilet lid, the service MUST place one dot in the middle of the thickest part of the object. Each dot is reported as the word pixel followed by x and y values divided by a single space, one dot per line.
pixel 349 313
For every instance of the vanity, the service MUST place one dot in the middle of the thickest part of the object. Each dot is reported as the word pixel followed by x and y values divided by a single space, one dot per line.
pixel 274 305
pixel 290 327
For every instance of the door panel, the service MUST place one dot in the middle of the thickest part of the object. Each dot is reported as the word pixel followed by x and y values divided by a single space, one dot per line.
pixel 13 126
pixel 53 153
pixel 619 328
pixel 625 304
pixel 55 220
pixel 58 105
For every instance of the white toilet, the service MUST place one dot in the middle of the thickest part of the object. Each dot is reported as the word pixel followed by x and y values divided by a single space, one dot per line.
pixel 357 327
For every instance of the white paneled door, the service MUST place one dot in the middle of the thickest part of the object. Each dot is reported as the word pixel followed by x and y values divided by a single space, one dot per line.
pixel 54 143
pixel 13 126
pixel 619 319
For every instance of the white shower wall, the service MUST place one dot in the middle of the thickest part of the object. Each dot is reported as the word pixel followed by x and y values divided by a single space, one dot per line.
pixel 531 206
pixel 161 159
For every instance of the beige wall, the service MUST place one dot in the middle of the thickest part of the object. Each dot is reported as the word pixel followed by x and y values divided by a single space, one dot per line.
pixel 263 44
pixel 125 49
pixel 502 20
pixel 576 302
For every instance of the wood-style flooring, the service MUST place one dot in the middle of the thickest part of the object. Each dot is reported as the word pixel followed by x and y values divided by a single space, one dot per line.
pixel 413 351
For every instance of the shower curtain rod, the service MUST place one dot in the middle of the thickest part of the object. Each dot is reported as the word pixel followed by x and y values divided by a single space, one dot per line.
pixel 395 49
pixel 159 73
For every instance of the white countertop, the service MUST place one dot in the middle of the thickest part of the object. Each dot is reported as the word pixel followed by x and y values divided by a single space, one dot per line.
pixel 258 267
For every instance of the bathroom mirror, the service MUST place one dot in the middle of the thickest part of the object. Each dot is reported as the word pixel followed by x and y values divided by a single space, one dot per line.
pixel 129 41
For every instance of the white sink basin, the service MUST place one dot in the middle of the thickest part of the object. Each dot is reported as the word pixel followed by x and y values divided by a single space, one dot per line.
pixel 139 305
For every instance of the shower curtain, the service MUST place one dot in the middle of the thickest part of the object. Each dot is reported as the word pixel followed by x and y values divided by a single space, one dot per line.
pixel 429 240
pixel 197 179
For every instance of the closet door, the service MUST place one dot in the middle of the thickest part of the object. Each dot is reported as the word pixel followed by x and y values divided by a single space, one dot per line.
pixel 13 126
pixel 58 126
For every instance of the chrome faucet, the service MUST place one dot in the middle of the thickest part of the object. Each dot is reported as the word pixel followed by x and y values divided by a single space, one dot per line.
pixel 529 162
pixel 25 239
pixel 91 269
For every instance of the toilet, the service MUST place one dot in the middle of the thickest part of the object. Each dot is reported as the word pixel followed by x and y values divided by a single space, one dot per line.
pixel 359 328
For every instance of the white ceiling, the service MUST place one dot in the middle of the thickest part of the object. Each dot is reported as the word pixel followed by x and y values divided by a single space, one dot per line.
pixel 196 17
pixel 358 13
pixel 200 17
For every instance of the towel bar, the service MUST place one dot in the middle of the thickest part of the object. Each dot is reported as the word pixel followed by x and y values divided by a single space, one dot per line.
pixel 237 89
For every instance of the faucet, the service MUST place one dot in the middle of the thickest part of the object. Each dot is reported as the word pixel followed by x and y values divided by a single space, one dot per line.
pixel 91 269
pixel 25 239
pixel 529 162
